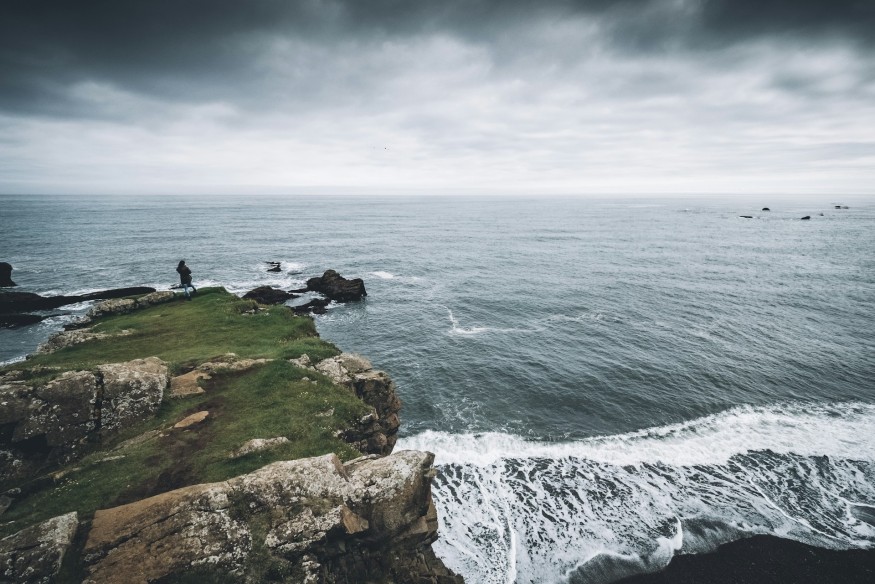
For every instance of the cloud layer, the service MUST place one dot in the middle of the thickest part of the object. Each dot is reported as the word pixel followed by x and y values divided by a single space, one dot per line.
pixel 456 96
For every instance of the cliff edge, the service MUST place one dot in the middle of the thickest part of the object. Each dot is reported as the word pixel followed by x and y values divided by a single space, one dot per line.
pixel 217 440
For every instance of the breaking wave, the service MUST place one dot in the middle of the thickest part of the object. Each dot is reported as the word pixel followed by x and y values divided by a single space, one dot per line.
pixel 514 510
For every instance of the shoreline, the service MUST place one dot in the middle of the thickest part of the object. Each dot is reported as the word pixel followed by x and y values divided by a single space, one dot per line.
pixel 762 559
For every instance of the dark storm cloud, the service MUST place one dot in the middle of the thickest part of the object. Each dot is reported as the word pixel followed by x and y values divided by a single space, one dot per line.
pixel 201 50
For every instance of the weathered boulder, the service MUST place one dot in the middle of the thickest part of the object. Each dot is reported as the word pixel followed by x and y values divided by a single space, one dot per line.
pixel 132 391
pixel 268 295
pixel 63 339
pixel 34 554
pixel 336 287
pixel 6 275
pixel 309 520
pixel 51 422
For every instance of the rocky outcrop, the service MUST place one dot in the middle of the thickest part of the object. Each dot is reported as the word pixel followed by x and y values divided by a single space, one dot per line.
pixel 274 266
pixel 268 295
pixel 336 287
pixel 26 301
pixel 311 520
pixel 51 422
pixel 125 305
pixel 64 339
pixel 187 384
pixel 376 432
pixel 6 275
pixel 34 555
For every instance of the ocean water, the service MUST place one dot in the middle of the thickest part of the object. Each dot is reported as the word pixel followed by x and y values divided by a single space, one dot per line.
pixel 605 382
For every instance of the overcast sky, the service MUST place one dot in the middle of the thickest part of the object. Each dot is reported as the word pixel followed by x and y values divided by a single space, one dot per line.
pixel 406 96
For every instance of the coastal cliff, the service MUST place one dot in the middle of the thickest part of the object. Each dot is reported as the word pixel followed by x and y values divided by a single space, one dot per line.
pixel 217 440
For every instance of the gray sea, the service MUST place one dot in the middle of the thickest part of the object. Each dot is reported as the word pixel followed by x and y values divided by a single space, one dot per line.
pixel 605 382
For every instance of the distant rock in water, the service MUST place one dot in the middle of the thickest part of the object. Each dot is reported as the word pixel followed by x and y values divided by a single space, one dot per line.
pixel 336 287
pixel 806 218
pixel 24 301
pixel 765 209
pixel 274 267
pixel 746 216
pixel 268 295
pixel 6 275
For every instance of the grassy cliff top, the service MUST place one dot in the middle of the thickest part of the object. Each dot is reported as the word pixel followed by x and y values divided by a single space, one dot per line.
pixel 274 399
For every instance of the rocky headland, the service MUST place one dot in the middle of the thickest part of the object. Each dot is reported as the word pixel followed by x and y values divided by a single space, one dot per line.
pixel 219 440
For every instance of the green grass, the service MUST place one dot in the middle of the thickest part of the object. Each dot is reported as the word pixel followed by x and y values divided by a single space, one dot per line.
pixel 266 401
pixel 186 333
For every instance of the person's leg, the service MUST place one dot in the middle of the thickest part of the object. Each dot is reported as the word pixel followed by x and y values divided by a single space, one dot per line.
pixel 185 290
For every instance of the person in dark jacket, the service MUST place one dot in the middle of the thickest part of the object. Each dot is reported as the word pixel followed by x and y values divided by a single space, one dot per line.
pixel 185 278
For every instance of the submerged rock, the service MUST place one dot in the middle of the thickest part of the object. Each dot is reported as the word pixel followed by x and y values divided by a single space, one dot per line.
pixel 310 520
pixel 316 306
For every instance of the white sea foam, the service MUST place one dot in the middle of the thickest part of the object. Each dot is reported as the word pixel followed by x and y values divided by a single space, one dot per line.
pixel 461 330
pixel 514 510
pixel 383 275
pixel 842 430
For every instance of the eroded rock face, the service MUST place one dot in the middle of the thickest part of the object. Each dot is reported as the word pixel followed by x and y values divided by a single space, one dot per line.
pixel 310 520
pixel 132 391
pixel 336 287
pixel 374 433
pixel 34 555
pixel 51 422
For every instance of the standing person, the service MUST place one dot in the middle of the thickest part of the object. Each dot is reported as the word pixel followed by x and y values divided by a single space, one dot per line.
pixel 185 278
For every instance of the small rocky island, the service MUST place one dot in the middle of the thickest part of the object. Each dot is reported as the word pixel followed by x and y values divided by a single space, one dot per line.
pixel 218 440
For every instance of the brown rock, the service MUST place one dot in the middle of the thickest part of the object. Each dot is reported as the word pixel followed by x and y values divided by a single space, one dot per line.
pixel 336 287
pixel 192 420
pixel 187 384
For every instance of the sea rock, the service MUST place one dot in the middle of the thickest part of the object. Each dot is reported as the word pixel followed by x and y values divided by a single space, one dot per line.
pixel 746 216
pixel 11 302
pixel 765 209
pixel 336 287
pixel 49 423
pixel 15 320
pixel 69 338
pixel 806 218
pixel 268 295
pixel 274 267
pixel 311 520
pixel 6 275
pixel 34 554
